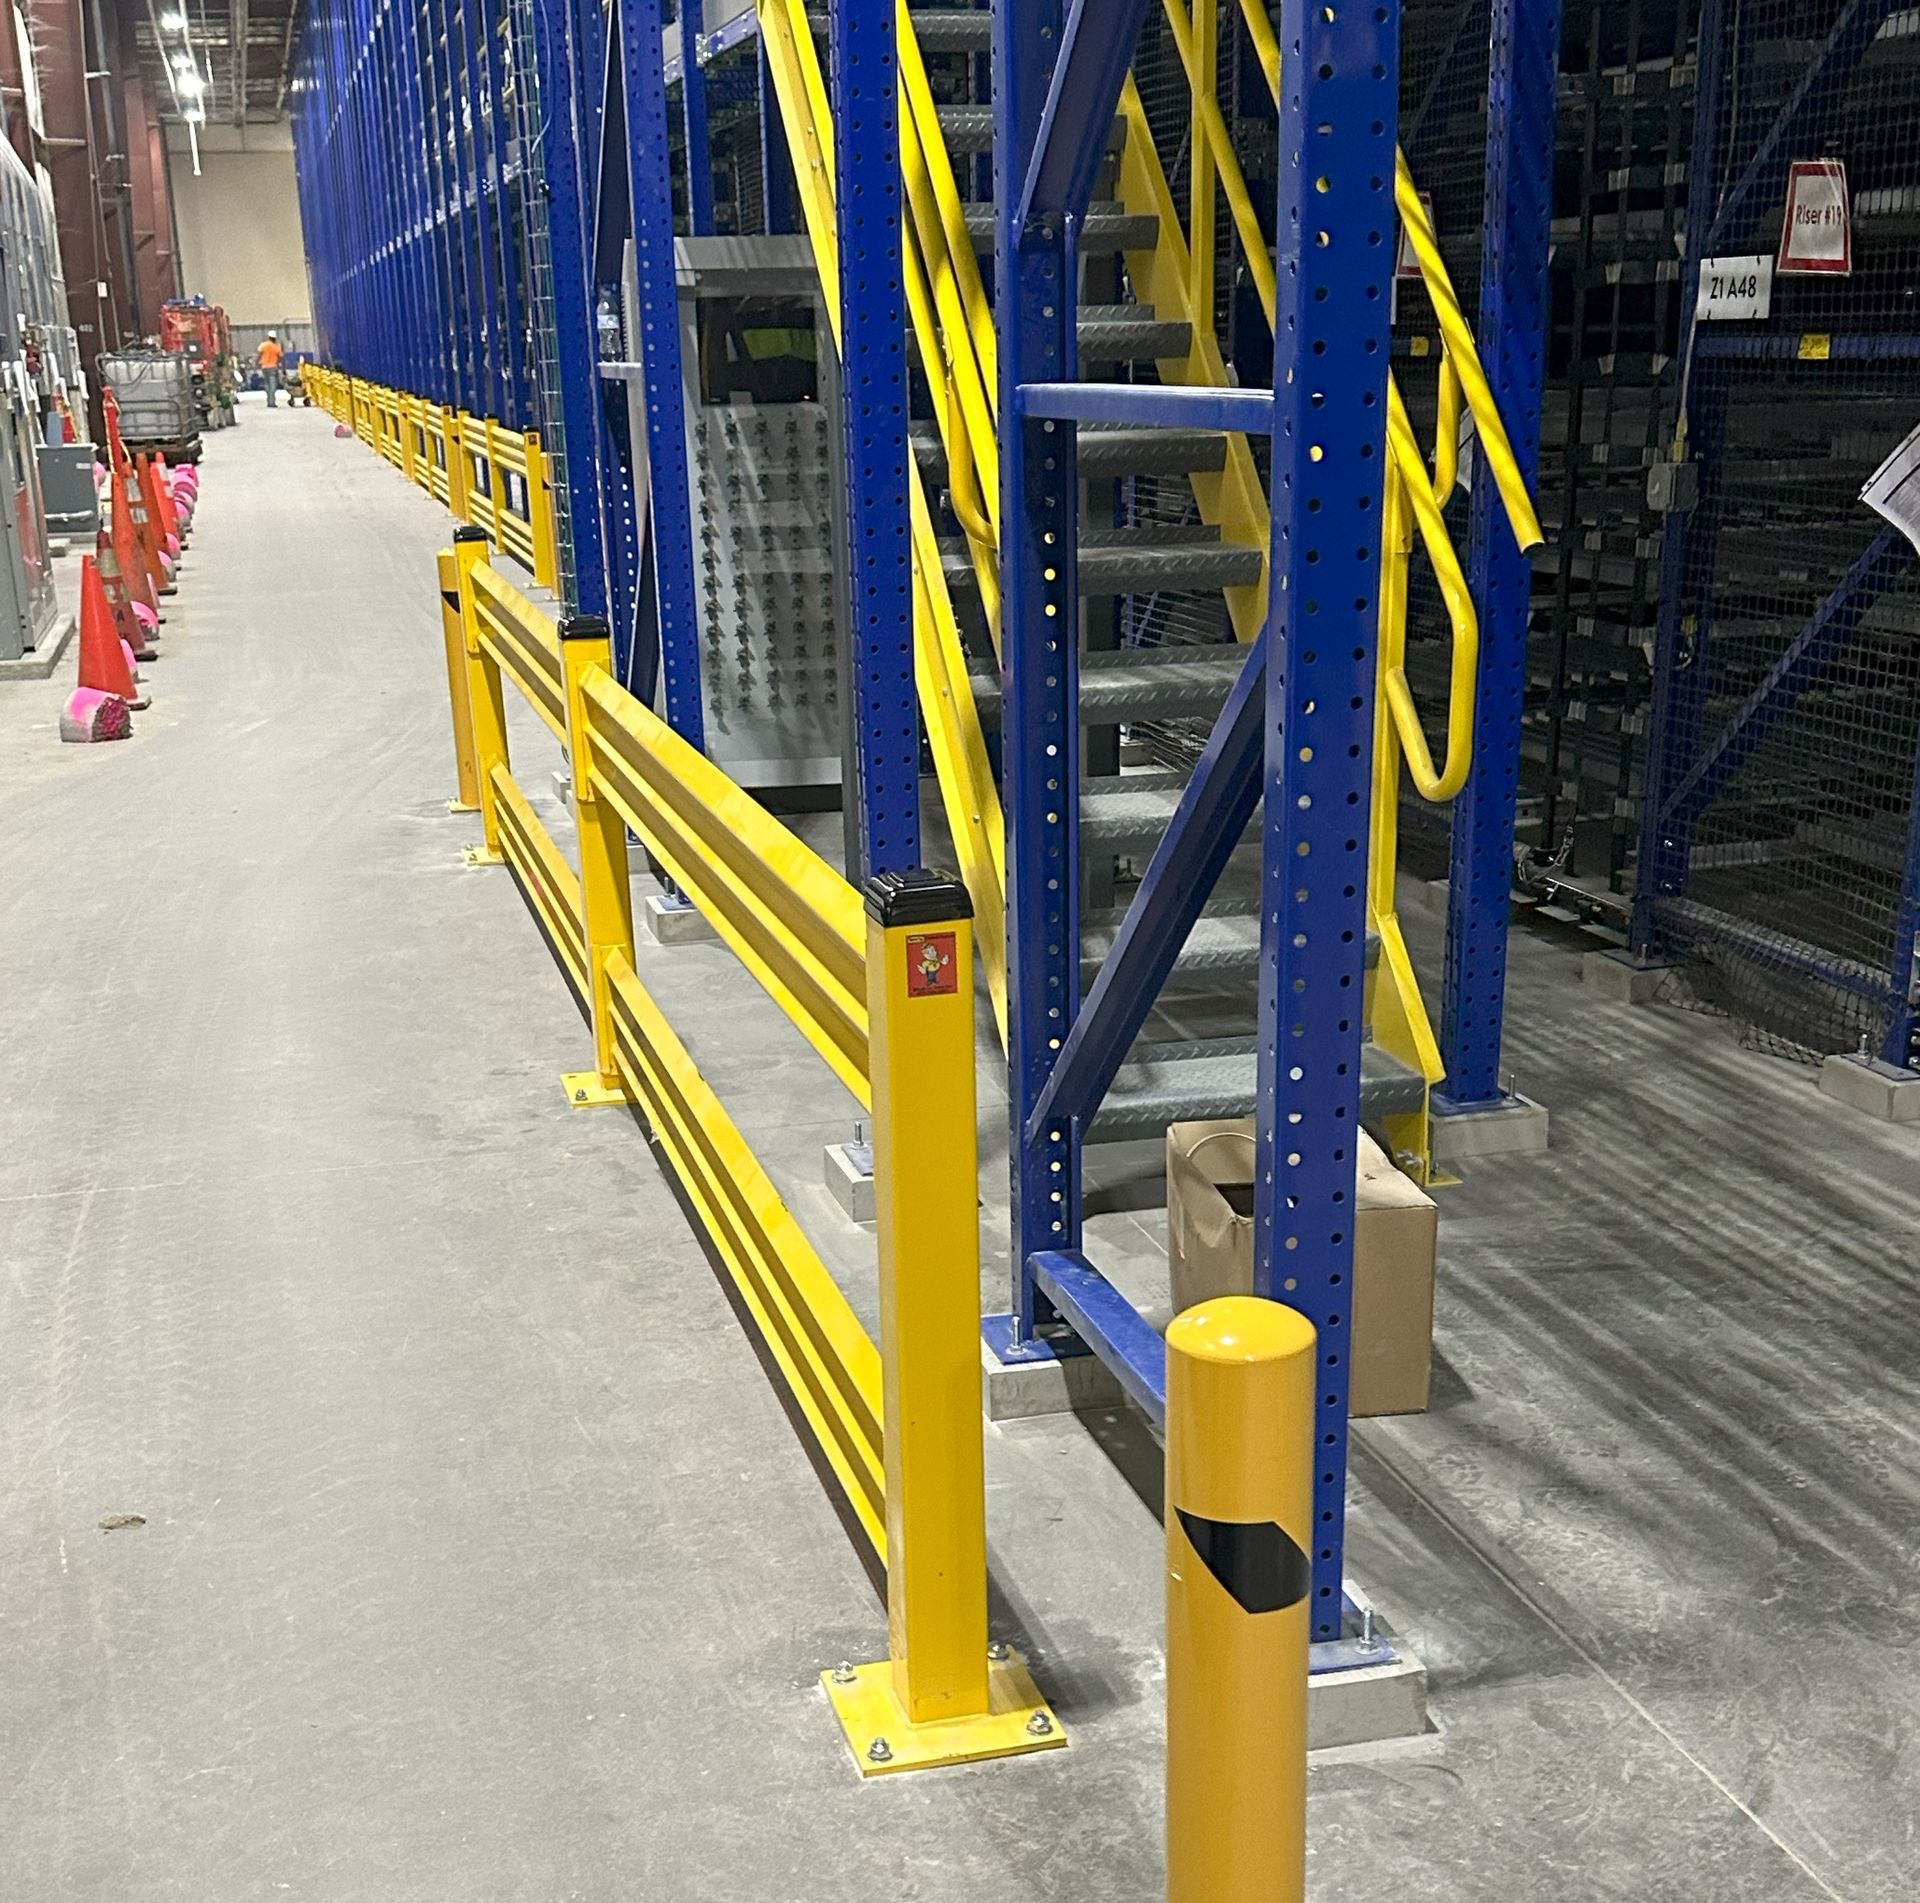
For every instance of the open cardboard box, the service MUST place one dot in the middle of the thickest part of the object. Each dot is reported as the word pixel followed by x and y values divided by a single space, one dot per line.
pixel 1395 1237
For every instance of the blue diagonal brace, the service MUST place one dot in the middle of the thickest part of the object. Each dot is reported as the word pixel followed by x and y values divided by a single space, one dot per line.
pixel 1096 48
pixel 1186 865
pixel 1828 629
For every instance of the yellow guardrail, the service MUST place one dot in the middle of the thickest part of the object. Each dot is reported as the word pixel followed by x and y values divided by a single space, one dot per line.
pixel 498 479
pixel 881 985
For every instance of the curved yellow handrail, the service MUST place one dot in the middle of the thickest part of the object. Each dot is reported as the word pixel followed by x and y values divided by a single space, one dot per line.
pixel 1417 494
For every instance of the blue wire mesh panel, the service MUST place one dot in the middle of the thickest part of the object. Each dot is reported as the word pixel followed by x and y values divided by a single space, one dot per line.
pixel 1777 844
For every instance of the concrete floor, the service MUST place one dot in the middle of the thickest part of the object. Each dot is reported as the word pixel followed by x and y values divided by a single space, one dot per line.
pixel 480 1560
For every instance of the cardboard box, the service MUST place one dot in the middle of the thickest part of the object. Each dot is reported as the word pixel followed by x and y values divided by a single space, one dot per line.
pixel 1396 1235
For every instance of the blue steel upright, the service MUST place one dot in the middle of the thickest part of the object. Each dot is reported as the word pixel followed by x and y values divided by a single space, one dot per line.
pixel 1339 105
pixel 1521 104
pixel 1039 651
pixel 873 356
pixel 664 508
pixel 558 76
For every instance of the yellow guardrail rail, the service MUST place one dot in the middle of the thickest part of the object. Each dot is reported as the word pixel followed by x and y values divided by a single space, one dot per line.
pixel 496 478
pixel 881 985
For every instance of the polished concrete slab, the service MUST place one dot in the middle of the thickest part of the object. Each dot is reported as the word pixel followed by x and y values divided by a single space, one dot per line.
pixel 479 1558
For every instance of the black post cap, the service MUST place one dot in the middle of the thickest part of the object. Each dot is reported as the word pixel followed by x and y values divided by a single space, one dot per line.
pixel 466 532
pixel 585 628
pixel 918 897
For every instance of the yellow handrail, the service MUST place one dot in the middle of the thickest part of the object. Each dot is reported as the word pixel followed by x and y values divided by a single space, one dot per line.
pixel 1415 493
pixel 969 795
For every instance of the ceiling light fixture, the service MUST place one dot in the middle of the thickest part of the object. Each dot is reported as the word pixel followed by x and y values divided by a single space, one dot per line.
pixel 174 22
pixel 192 85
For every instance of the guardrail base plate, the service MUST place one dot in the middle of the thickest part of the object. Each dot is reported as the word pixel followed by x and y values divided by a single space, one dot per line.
pixel 584 1089
pixel 461 806
pixel 882 1740
pixel 480 856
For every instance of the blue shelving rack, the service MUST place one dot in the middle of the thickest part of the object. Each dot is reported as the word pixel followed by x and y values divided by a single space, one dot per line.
pixel 1703 729
pixel 405 172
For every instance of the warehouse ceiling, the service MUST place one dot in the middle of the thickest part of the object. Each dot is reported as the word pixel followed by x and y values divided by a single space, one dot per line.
pixel 241 51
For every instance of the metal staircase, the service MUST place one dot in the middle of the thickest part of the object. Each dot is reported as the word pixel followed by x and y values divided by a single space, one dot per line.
pixel 1200 547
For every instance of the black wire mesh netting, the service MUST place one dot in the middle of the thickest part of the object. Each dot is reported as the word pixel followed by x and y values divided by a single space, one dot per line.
pixel 1786 733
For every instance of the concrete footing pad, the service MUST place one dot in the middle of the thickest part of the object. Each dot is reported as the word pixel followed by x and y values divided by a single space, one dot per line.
pixel 1864 1083
pixel 1621 978
pixel 1368 1704
pixel 848 1168
pixel 675 922
pixel 1057 1384
pixel 1515 1126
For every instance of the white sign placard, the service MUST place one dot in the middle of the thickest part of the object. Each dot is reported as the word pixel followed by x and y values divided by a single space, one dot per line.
pixel 1893 490
pixel 1734 287
pixel 1816 234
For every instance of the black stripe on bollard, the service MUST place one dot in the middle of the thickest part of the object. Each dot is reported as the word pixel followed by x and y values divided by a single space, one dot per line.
pixel 1255 1561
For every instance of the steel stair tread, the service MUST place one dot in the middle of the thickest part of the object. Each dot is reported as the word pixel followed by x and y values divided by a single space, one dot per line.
pixel 1121 684
pixel 969 129
pixel 938 29
pixel 1174 1083
pixel 1129 812
pixel 1112 449
pixel 1141 561
pixel 1223 943
pixel 1129 333
pixel 1107 227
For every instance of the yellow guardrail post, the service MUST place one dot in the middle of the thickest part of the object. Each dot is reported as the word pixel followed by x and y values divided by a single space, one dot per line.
pixel 940 1697
pixel 606 886
pixel 456 465
pixel 407 467
pixel 486 698
pixel 496 484
pixel 540 515
pixel 467 798
pixel 1239 1513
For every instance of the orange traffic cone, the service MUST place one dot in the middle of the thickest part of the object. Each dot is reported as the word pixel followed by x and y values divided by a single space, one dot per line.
pixel 132 569
pixel 106 664
pixel 166 543
pixel 169 510
pixel 126 621
pixel 146 541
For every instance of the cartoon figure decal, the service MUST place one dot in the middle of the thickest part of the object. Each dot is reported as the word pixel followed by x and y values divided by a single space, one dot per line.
pixel 932 971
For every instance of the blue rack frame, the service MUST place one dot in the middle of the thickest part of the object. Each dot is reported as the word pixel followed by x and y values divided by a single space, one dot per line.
pixel 1297 729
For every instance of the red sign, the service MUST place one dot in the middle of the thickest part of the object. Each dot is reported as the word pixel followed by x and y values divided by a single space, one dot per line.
pixel 1816 235
pixel 932 969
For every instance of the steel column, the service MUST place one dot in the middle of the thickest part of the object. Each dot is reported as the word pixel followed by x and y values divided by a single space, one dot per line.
pixel 1339 105
pixel 1521 101
pixel 874 431
pixel 663 506
pixel 1039 647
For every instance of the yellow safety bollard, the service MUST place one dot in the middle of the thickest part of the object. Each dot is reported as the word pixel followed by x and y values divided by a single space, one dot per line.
pixel 467 798
pixel 941 1697
pixel 606 889
pixel 486 697
pixel 1239 1512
